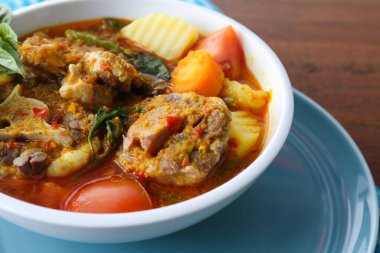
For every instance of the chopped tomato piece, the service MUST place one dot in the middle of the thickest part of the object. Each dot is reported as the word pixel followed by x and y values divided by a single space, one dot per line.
pixel 173 123
pixel 224 46
pixel 114 195
pixel 40 113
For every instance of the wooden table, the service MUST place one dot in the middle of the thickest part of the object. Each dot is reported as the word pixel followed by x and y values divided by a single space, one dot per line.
pixel 331 51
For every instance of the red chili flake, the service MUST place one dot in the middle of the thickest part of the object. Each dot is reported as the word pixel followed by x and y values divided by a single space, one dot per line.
pixel 198 132
pixel 173 123
pixel 140 175
pixel 233 143
pixel 105 66
pixel 58 117
pixel 208 111
pixel 11 144
pixel 185 161
pixel 41 113
pixel 54 125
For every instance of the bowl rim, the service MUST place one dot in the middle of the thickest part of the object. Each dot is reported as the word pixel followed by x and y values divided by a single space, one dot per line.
pixel 32 212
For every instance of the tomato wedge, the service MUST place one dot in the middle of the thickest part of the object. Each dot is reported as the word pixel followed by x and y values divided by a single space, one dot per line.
pixel 224 46
pixel 114 195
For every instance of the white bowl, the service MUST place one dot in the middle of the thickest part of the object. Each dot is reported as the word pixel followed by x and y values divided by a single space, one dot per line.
pixel 125 227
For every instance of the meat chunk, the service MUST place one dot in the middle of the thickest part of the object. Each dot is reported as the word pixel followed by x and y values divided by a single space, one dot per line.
pixel 52 55
pixel 95 78
pixel 7 155
pixel 32 162
pixel 178 139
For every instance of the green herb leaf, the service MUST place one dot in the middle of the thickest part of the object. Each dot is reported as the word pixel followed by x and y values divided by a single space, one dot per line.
pixel 5 14
pixel 144 62
pixel 9 60
pixel 149 64
pixel 114 131
pixel 8 35
pixel 113 22
pixel 107 117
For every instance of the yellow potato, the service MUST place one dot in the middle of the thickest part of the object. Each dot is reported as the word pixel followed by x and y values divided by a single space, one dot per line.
pixel 167 36
pixel 244 96
pixel 244 131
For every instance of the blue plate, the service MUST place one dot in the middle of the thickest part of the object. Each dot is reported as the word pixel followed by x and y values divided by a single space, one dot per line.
pixel 317 196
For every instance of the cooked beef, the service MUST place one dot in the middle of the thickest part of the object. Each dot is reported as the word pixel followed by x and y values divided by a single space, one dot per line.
pixel 32 162
pixel 178 139
pixel 7 155
pixel 97 76
pixel 52 55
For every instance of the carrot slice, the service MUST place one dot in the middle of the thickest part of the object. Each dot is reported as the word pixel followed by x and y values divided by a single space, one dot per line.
pixel 198 72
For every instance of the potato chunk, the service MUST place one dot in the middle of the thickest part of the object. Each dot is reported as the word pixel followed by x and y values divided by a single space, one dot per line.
pixel 244 96
pixel 244 132
pixel 167 36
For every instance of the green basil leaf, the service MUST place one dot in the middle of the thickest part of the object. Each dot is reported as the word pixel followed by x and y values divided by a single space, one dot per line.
pixel 149 64
pixel 5 14
pixel 9 60
pixel 103 116
pixel 8 35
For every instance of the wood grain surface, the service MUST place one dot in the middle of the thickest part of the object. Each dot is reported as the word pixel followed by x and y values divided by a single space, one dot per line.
pixel 331 51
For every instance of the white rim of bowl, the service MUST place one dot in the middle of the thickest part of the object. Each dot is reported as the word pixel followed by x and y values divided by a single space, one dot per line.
pixel 45 215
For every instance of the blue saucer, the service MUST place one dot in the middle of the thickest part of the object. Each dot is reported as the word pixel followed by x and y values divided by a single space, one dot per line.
pixel 317 196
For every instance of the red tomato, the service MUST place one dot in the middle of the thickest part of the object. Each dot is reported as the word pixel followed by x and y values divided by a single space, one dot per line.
pixel 224 46
pixel 115 195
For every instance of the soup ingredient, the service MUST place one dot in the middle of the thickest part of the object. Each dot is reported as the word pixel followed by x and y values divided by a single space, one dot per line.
pixel 149 64
pixel 114 22
pixel 8 153
pixel 244 96
pixel 244 133
pixel 112 119
pixel 70 161
pixel 9 59
pixel 17 112
pixel 198 72
pixel 92 39
pixel 167 36
pixel 178 139
pixel 225 48
pixel 82 80
pixel 32 162
pixel 144 62
pixel 114 195
pixel 52 55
